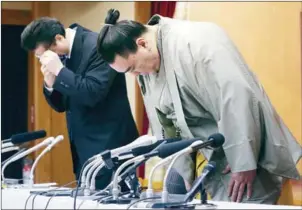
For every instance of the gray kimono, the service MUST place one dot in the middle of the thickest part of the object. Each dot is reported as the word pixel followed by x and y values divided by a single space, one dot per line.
pixel 204 86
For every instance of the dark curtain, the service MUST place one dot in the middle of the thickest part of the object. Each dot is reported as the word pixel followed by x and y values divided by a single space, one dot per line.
pixel 14 91
pixel 166 9
pixel 163 8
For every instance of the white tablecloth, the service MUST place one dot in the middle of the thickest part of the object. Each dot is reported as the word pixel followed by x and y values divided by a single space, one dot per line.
pixel 16 199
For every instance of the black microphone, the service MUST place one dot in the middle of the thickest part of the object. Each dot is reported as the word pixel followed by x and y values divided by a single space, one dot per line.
pixel 131 181
pixel 133 167
pixel 28 136
pixel 215 140
pixel 208 169
pixel 145 149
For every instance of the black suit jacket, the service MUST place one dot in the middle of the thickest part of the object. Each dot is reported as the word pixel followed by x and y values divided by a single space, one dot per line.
pixel 94 97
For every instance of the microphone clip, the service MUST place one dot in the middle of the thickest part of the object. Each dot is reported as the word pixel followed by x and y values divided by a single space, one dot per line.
pixel 133 184
pixel 106 156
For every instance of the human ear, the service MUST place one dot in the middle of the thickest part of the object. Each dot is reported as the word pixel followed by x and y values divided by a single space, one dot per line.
pixel 141 42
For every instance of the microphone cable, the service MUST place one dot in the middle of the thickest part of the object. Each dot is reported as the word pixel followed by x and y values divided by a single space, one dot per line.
pixel 140 200
pixel 41 193
pixel 53 195
pixel 78 184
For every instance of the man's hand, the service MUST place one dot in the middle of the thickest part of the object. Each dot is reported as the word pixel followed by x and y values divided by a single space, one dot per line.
pixel 238 182
pixel 52 62
pixel 187 185
pixel 49 78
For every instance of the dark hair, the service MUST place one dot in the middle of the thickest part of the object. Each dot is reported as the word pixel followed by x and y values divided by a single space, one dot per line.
pixel 42 30
pixel 119 37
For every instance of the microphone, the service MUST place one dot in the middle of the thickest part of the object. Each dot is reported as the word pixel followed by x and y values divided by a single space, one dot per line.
pixel 85 170
pixel 162 151
pixel 135 152
pixel 20 151
pixel 29 136
pixel 47 149
pixel 145 149
pixel 215 140
pixel 9 149
pixel 25 137
pixel 207 170
pixel 144 140
pixel 129 171
pixel 6 145
pixel 189 196
pixel 137 161
pixel 107 155
pixel 23 154
pixel 140 145
pixel 99 163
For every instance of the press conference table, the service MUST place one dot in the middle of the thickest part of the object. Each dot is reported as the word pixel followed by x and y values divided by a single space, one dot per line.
pixel 16 199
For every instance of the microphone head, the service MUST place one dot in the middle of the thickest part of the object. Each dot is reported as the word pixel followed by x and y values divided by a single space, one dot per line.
pixel 145 149
pixel 57 139
pixel 218 140
pixel 28 136
pixel 211 166
pixel 169 149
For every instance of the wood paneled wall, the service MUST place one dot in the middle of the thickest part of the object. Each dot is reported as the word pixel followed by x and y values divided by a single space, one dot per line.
pixel 142 15
pixel 269 37
pixel 42 111
pixel 56 166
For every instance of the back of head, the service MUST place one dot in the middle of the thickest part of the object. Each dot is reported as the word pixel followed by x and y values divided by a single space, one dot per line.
pixel 42 30
pixel 118 38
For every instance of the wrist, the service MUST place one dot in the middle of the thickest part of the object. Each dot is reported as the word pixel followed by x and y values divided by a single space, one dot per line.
pixel 58 70
pixel 48 87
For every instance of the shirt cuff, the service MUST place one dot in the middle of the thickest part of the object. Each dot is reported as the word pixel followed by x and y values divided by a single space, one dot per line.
pixel 48 88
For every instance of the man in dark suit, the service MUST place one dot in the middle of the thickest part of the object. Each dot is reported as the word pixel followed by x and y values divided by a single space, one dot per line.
pixel 78 82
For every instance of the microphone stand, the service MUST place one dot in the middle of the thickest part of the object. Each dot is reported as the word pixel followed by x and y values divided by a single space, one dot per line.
pixel 23 154
pixel 129 175
pixel 132 183
pixel 47 149
pixel 189 196
pixel 185 204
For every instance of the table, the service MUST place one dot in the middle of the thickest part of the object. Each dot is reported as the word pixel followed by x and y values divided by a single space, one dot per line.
pixel 16 199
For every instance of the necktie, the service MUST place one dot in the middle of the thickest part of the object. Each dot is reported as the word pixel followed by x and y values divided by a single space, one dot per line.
pixel 63 59
pixel 201 161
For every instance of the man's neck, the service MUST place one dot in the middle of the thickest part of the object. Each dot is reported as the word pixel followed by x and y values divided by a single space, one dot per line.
pixel 152 36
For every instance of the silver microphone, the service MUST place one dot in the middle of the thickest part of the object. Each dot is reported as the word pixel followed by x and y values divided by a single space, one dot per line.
pixel 47 149
pixel 23 154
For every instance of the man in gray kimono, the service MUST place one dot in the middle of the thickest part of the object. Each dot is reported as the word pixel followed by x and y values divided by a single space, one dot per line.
pixel 196 83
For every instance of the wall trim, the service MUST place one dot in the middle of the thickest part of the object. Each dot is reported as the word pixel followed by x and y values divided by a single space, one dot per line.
pixel 15 17
pixel 142 14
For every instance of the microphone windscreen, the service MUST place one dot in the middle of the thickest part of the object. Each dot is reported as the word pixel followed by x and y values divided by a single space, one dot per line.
pixel 146 149
pixel 28 136
pixel 218 140
pixel 169 149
